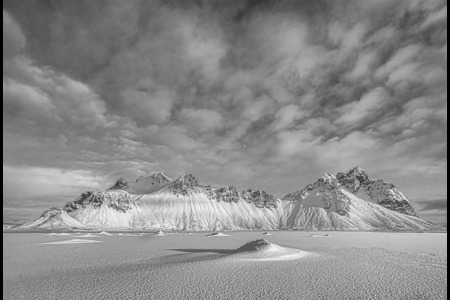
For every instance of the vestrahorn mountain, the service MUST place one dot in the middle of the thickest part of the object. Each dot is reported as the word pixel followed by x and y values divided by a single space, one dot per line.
pixel 345 201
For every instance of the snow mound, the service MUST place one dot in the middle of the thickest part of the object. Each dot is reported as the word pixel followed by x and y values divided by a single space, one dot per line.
pixel 160 233
pixel 89 235
pixel 130 234
pixel 318 235
pixel 258 245
pixel 56 234
pixel 217 234
pixel 105 233
pixel 263 250
pixel 267 233
pixel 72 241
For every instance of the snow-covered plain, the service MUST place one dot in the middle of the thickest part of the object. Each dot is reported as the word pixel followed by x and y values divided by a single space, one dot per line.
pixel 351 265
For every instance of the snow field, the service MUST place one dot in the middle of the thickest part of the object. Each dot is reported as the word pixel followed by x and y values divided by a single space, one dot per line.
pixel 352 265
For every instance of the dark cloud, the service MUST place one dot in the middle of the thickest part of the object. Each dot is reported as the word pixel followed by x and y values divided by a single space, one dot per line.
pixel 432 204
pixel 262 94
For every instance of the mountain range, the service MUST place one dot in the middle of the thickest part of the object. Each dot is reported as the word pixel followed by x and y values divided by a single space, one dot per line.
pixel 343 201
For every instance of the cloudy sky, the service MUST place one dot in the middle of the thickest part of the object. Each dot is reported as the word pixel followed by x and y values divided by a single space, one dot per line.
pixel 259 94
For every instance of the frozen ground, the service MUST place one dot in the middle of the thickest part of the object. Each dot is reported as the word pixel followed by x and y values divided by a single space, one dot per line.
pixel 350 265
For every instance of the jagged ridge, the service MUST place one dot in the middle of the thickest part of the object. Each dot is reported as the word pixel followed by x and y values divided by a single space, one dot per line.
pixel 333 202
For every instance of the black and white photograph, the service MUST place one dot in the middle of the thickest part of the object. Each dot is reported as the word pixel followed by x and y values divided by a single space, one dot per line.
pixel 225 149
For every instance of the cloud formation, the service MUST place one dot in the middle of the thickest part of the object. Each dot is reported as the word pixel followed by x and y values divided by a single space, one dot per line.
pixel 260 94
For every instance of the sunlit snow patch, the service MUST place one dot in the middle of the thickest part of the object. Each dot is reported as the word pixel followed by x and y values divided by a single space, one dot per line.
pixel 131 234
pixel 56 234
pixel 105 233
pixel 318 236
pixel 217 234
pixel 263 250
pixel 72 241
pixel 89 235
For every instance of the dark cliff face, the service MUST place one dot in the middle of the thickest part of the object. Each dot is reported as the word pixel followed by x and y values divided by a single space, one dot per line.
pixel 227 194
pixel 354 179
pixel 260 198
pixel 117 201
pixel 52 212
pixel 381 192
pixel 188 184
pixel 121 184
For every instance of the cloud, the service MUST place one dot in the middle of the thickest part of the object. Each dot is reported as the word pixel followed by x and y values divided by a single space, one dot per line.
pixel 201 120
pixel 14 41
pixel 287 116
pixel 26 100
pixel 260 94
pixel 432 204
pixel 370 105
pixel 40 94
pixel 33 187
pixel 148 107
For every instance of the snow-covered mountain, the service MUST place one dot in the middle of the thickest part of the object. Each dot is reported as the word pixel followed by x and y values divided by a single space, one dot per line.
pixel 54 218
pixel 189 204
pixel 377 191
pixel 346 201
pixel 329 205
pixel 109 209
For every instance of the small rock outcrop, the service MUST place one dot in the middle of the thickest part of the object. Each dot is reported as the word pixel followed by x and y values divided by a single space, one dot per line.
pixel 257 245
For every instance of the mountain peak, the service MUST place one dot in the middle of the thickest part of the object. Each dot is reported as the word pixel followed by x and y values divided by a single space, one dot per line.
pixel 354 178
pixel 54 211
pixel 187 183
pixel 329 179
pixel 190 179
pixel 358 172
pixel 357 169
pixel 121 184
pixel 158 177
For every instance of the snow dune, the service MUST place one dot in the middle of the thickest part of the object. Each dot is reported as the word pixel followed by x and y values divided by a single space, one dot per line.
pixel 217 234
pixel 58 234
pixel 89 235
pixel 353 265
pixel 160 233
pixel 319 236
pixel 105 233
pixel 131 234
pixel 262 250
pixel 71 241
